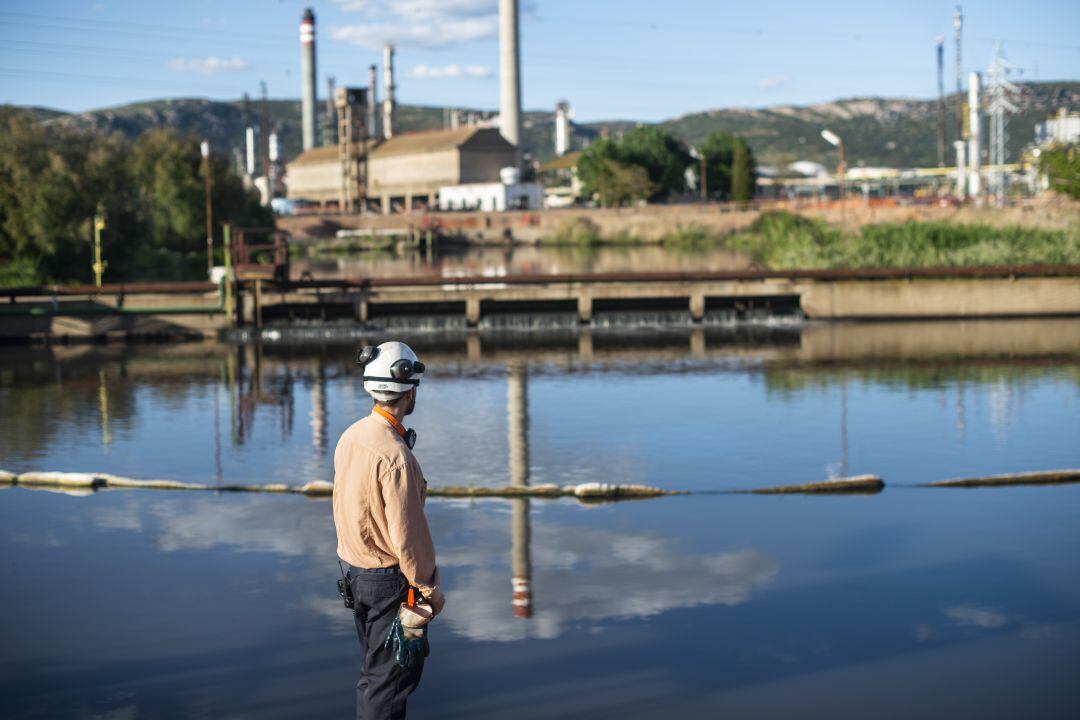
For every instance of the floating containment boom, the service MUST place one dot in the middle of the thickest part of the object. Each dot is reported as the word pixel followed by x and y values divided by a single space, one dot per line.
pixel 856 484
pixel 1041 477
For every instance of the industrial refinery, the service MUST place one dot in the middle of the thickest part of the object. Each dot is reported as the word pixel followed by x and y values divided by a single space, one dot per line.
pixel 355 159
pixel 362 164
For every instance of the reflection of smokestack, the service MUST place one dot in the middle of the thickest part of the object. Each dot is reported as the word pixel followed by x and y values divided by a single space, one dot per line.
pixel 307 78
pixel 510 75
pixel 318 409
pixel 517 411
pixel 373 104
pixel 388 85
pixel 975 136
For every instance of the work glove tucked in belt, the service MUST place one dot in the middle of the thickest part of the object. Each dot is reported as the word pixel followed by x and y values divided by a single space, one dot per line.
pixel 410 644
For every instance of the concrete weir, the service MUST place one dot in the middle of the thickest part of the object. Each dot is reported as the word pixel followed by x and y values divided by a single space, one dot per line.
pixel 197 309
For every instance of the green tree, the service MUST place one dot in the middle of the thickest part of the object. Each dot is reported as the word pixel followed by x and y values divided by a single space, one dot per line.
pixel 53 180
pixel 743 172
pixel 645 163
pixel 662 156
pixel 615 183
pixel 718 149
pixel 1061 164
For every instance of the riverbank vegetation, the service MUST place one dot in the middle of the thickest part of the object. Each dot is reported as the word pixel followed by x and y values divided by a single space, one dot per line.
pixel 54 179
pixel 782 240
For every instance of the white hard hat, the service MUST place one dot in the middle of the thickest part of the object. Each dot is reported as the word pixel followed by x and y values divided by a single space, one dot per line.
pixel 390 369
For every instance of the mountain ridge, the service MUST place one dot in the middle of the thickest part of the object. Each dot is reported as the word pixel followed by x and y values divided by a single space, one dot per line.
pixel 899 132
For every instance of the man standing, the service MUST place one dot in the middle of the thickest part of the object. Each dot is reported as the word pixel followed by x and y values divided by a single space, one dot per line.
pixel 383 535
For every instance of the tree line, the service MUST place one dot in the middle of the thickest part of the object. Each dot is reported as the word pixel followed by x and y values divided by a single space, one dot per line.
pixel 150 191
pixel 647 163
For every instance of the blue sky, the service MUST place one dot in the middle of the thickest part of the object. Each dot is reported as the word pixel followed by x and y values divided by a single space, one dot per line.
pixel 611 59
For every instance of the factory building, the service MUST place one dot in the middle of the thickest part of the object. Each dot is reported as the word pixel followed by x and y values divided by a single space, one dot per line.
pixel 507 194
pixel 1063 128
pixel 407 168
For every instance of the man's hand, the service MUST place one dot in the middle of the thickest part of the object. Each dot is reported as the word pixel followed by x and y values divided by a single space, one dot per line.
pixel 437 600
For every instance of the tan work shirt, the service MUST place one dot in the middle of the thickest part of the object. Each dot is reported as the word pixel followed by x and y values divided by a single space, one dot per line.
pixel 379 494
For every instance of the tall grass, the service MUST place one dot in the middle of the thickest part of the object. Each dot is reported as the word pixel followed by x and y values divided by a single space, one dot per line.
pixel 781 240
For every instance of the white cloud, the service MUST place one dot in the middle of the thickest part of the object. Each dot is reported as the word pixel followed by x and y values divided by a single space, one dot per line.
pixel 420 9
pixel 418 23
pixel 208 66
pixel 771 83
pixel 427 72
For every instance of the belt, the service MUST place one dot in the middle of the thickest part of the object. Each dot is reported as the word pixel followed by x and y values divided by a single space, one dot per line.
pixel 376 571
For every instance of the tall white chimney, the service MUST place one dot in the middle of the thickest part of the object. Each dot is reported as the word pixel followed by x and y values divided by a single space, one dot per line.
pixel 974 136
pixel 510 75
pixel 250 156
pixel 308 101
pixel 563 113
pixel 388 88
pixel 373 104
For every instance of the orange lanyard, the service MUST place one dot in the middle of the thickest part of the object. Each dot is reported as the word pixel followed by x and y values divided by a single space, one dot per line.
pixel 392 420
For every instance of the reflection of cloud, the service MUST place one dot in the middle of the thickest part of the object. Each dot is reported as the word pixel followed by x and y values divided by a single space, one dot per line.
pixel 245 524
pixel 594 575
pixel 332 609
pixel 119 518
pixel 973 615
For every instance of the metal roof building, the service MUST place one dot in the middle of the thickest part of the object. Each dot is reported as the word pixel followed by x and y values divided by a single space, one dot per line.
pixel 406 167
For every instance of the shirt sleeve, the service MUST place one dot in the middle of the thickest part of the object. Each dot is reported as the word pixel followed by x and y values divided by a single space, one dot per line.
pixel 403 499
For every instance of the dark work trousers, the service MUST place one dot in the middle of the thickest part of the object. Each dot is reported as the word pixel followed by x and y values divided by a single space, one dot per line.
pixel 384 685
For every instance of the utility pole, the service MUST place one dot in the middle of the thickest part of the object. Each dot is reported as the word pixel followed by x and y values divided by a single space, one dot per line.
pixel 1000 91
pixel 204 147
pixel 958 24
pixel 941 101
pixel 98 266
pixel 264 140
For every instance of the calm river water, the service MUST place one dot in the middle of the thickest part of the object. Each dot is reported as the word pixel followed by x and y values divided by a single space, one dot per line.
pixel 911 602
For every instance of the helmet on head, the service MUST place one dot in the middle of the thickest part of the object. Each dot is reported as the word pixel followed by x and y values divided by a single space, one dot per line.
pixel 390 370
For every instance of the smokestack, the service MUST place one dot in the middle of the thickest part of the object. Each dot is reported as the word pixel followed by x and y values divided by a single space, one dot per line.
pixel 974 136
pixel 563 113
pixel 388 84
pixel 373 104
pixel 510 75
pixel 330 127
pixel 250 157
pixel 308 100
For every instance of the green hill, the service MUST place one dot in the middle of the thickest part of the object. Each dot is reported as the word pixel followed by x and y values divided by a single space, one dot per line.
pixel 876 131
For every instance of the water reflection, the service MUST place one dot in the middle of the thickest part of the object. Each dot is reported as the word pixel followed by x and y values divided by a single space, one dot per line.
pixel 452 261
pixel 840 399
pixel 517 409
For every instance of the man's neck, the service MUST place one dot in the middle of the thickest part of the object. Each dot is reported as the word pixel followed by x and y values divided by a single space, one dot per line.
pixel 397 410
